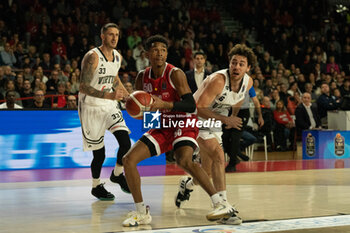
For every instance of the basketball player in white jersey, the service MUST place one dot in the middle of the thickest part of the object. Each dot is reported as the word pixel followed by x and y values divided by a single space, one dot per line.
pixel 221 91
pixel 100 88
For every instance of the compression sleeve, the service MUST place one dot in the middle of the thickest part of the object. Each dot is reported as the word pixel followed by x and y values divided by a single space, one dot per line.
pixel 187 104
pixel 252 92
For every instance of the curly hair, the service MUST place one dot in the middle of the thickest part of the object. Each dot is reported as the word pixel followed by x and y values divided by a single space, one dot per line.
pixel 155 38
pixel 243 50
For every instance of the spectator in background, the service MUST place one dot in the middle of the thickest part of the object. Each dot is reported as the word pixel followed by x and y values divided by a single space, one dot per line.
pixel 212 56
pixel 268 87
pixel 8 73
pixel 27 73
pixel 306 114
pixel 345 88
pixel 7 56
pixel 258 91
pixel 283 126
pixel 83 46
pixel 72 48
pixel 267 115
pixel 309 89
pixel 72 102
pixel 39 100
pixel 10 86
pixel 293 87
pixel 266 64
pixel 345 62
pixel 326 102
pixel 74 83
pixel 26 92
pixel 332 65
pixel 175 53
pixel 67 71
pixel 60 101
pixel 19 54
pixel 142 61
pixel 295 56
pixel 293 102
pixel 68 88
pixel 136 52
pixel 52 83
pixel 46 64
pixel 338 96
pixel 128 86
pixel 197 48
pixel 125 78
pixel 43 39
pixel 19 81
pixel 10 98
pixel 134 39
pixel 130 63
pixel 187 52
pixel 59 51
pixel 61 76
pixel 275 97
pixel 38 73
pixel 125 21
pixel 196 76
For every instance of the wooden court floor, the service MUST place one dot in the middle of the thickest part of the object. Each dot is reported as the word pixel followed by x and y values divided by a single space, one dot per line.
pixel 68 206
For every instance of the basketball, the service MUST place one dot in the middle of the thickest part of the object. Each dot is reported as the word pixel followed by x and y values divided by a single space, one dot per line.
pixel 137 103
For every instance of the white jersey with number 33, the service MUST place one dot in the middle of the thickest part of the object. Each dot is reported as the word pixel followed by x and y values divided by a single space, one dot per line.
pixel 103 77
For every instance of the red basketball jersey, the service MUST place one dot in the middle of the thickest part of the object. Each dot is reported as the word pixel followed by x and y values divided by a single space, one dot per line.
pixel 161 86
pixel 164 88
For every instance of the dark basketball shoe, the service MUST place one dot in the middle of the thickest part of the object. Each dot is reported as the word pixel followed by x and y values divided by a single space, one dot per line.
pixel 101 193
pixel 184 193
pixel 121 181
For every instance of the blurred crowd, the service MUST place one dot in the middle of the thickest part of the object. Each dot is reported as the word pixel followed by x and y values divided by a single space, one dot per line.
pixel 301 46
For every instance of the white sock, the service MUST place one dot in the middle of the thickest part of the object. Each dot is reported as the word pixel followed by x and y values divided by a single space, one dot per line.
pixel 140 207
pixel 118 170
pixel 95 182
pixel 223 194
pixel 190 184
pixel 216 198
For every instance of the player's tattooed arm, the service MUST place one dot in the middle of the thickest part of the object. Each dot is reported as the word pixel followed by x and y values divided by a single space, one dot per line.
pixel 89 65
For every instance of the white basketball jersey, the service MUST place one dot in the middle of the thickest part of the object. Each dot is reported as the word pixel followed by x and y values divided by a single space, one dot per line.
pixel 224 101
pixel 103 77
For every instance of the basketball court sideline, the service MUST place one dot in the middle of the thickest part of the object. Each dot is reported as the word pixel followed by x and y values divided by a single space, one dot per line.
pixel 304 200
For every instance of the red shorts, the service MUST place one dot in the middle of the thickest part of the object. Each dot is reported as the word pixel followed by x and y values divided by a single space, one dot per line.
pixel 165 139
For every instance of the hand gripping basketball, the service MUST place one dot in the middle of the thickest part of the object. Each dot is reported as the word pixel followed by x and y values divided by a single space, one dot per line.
pixel 137 103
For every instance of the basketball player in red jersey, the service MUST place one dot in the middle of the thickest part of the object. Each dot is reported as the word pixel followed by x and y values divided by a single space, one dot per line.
pixel 171 94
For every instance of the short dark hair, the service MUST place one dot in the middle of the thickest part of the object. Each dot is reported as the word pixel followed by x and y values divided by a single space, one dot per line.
pixel 200 53
pixel 108 25
pixel 155 38
pixel 8 92
pixel 243 50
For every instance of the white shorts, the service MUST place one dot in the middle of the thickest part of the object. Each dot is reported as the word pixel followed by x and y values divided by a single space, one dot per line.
pixel 206 134
pixel 95 120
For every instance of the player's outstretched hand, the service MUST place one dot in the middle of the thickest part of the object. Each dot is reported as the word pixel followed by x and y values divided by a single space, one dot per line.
pixel 233 122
